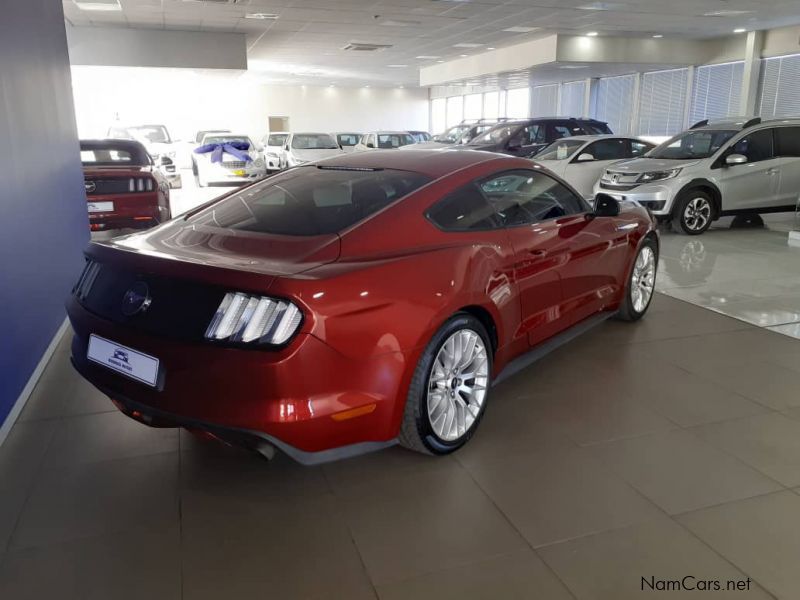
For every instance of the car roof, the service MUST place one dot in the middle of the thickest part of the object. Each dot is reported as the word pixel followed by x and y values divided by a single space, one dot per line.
pixel 387 132
pixel 310 133
pixel 434 162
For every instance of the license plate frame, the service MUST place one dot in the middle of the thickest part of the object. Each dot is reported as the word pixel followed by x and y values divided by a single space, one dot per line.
pixel 97 207
pixel 127 361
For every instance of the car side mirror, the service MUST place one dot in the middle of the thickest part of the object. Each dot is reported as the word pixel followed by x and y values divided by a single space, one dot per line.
pixel 370 145
pixel 735 159
pixel 585 157
pixel 605 206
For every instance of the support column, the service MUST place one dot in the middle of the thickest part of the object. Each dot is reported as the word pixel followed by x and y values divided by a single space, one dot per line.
pixel 590 98
pixel 752 71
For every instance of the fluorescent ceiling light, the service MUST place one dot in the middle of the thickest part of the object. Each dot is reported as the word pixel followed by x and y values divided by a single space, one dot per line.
pixel 491 48
pixel 518 29
pixel 658 36
pixel 591 34
pixel 727 13
pixel 463 55
pixel 573 67
pixel 100 5
pixel 467 45
pixel 265 16
pixel 739 30
pixel 603 6
pixel 426 57
pixel 396 66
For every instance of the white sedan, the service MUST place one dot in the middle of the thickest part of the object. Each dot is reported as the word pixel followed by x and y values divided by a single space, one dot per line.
pixel 581 160
pixel 302 148
pixel 228 158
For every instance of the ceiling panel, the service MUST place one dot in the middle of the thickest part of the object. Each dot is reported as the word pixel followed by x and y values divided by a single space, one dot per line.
pixel 312 32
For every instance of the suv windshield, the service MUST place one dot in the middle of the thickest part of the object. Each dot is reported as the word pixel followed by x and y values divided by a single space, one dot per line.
pixel 452 135
pixel 560 150
pixel 496 134
pixel 314 141
pixel 277 139
pixel 310 200
pixel 154 134
pixel 225 139
pixel 692 144
pixel 347 139
pixel 394 140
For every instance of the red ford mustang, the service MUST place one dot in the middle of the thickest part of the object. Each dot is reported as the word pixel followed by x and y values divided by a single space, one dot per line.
pixel 123 187
pixel 355 303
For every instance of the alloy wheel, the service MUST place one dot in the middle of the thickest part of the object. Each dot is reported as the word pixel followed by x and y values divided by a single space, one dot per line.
pixel 643 279
pixel 457 384
pixel 697 214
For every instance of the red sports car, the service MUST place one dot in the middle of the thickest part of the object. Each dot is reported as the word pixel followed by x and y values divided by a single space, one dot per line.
pixel 362 301
pixel 123 187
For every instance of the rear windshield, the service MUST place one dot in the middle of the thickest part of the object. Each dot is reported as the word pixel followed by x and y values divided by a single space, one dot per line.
pixel 394 140
pixel 593 128
pixel 313 141
pixel 348 139
pixel 113 157
pixel 310 200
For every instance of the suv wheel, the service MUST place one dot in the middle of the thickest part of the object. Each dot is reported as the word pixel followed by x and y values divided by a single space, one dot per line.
pixel 693 213
pixel 448 393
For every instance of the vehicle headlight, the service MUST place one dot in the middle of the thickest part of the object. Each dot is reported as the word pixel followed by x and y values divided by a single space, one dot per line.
pixel 658 175
pixel 246 318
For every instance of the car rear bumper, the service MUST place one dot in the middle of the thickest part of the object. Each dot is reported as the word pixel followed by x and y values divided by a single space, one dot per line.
pixel 306 398
pixel 127 215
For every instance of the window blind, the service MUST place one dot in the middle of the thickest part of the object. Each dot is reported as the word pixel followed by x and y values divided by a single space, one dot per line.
pixel 518 102
pixel 544 101
pixel 573 96
pixel 779 89
pixel 614 103
pixel 662 101
pixel 717 91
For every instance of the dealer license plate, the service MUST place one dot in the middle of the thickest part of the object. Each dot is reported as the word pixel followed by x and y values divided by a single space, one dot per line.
pixel 100 207
pixel 129 362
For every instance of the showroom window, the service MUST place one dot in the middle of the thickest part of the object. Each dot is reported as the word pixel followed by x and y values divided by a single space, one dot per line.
pixel 544 102
pixel 717 91
pixel 780 87
pixel 490 105
pixel 473 106
pixel 518 103
pixel 525 197
pixel 438 115
pixel 614 103
pixel 573 97
pixel 466 209
pixel 502 105
pixel 662 102
pixel 455 110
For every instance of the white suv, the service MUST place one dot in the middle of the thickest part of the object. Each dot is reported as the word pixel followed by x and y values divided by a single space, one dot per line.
pixel 734 167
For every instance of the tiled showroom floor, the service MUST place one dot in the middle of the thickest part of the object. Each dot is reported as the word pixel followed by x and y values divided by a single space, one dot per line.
pixel 660 449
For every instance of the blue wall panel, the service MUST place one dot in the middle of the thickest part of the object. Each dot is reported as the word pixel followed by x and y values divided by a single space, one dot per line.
pixel 43 219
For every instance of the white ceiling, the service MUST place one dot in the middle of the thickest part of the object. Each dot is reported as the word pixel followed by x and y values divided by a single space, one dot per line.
pixel 304 45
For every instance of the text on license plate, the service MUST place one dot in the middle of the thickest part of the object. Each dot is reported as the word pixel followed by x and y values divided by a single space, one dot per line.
pixel 122 359
pixel 100 207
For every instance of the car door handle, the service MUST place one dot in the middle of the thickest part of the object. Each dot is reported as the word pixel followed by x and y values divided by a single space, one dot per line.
pixel 538 253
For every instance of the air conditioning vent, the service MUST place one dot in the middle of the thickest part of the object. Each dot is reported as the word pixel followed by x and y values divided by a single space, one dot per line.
pixel 359 47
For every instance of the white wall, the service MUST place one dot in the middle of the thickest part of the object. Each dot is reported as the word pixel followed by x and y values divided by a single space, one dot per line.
pixel 188 100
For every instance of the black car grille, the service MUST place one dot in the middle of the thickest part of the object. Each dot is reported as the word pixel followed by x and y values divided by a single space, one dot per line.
pixel 234 164
pixel 618 187
pixel 179 309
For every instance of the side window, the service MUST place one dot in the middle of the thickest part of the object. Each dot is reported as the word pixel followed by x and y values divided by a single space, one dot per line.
pixel 532 134
pixel 561 131
pixel 466 209
pixel 756 147
pixel 787 141
pixel 526 197
pixel 608 150
pixel 639 148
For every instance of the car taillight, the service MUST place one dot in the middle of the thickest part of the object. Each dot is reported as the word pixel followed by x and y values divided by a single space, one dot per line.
pixel 244 318
pixel 140 184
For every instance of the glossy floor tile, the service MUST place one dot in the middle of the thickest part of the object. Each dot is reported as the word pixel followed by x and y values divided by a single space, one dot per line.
pixel 750 274
pixel 658 449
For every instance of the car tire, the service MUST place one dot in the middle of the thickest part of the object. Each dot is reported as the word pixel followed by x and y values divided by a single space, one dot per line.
pixel 641 281
pixel 427 426
pixel 693 213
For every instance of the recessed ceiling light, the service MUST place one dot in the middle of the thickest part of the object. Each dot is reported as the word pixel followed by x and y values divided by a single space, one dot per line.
pixel 658 36
pixel 463 55
pixel 491 48
pixel 264 16
pixel 518 29
pixel 467 45
pixel 591 34
pixel 439 61
pixel 100 5
pixel 397 66
pixel 425 57
pixel 739 30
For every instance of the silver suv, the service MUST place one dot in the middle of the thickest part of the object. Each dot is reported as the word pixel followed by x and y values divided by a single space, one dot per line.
pixel 734 167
